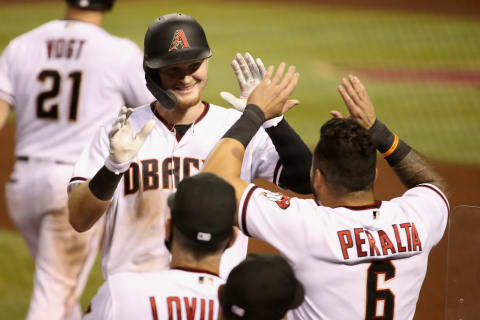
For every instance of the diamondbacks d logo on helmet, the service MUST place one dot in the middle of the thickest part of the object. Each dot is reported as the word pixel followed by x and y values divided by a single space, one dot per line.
pixel 179 41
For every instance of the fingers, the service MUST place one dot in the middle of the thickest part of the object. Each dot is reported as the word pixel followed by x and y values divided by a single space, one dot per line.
pixel 254 69
pixel 349 103
pixel 238 73
pixel 279 73
pixel 247 75
pixel 261 67
pixel 336 114
pixel 147 128
pixel 289 104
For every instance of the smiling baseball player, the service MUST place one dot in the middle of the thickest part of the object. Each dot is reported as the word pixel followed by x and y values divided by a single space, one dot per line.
pixel 130 176
pixel 358 258
pixel 63 79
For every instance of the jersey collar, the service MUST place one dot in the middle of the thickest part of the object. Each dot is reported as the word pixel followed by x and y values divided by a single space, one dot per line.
pixel 195 270
pixel 375 205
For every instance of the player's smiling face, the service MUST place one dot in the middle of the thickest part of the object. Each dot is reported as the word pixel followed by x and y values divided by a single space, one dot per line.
pixel 186 80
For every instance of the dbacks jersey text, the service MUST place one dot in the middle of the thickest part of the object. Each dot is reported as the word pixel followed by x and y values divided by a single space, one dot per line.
pixel 167 295
pixel 135 220
pixel 355 262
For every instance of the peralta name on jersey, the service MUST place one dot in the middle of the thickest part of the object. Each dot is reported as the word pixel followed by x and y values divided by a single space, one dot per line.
pixel 360 242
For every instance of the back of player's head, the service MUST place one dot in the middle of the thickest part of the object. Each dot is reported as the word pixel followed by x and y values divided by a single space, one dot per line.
pixel 346 156
pixel 101 5
pixel 171 39
pixel 203 211
pixel 263 287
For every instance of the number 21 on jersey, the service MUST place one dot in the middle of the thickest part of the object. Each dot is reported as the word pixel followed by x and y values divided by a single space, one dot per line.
pixel 54 77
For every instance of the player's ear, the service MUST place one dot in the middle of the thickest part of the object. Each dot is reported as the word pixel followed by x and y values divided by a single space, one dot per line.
pixel 318 180
pixel 167 229
pixel 234 237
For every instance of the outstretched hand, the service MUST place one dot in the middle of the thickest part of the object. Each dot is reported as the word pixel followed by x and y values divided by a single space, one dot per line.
pixel 357 102
pixel 124 143
pixel 249 72
pixel 271 95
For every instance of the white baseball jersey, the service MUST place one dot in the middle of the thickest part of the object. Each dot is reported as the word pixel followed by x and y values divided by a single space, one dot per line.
pixel 64 79
pixel 134 235
pixel 170 294
pixel 354 262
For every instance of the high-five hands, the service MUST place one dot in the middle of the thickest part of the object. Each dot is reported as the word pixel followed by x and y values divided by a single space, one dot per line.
pixel 357 102
pixel 271 95
pixel 249 73
pixel 124 143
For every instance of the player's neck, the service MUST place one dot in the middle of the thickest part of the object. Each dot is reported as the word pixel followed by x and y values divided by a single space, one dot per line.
pixel 90 16
pixel 210 263
pixel 180 115
pixel 351 199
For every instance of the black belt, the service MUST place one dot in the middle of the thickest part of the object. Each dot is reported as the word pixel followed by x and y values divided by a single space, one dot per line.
pixel 26 158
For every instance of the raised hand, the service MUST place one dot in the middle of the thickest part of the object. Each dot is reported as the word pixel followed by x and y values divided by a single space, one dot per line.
pixel 249 72
pixel 357 102
pixel 271 95
pixel 124 143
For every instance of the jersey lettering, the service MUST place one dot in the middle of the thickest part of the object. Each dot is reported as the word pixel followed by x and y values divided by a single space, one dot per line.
pixel 188 308
pixel 64 48
pixel 366 245
pixel 380 302
pixel 148 175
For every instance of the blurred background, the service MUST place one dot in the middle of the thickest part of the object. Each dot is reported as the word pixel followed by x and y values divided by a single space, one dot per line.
pixel 419 60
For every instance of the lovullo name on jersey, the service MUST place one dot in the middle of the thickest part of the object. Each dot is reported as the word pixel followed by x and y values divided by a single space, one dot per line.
pixel 186 307
pixel 154 174
pixel 360 242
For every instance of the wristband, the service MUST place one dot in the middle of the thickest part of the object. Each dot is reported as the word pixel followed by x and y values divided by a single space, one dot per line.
pixel 389 144
pixel 104 183
pixel 247 125
pixel 117 168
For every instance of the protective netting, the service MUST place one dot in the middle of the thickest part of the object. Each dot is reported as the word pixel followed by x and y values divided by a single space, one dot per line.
pixel 463 265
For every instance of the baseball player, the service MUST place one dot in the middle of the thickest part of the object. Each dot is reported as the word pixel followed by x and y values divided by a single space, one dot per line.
pixel 359 258
pixel 262 287
pixel 62 79
pixel 130 176
pixel 198 233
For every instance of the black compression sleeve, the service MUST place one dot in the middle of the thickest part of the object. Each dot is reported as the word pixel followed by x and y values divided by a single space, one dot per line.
pixel 295 157
pixel 104 183
pixel 247 125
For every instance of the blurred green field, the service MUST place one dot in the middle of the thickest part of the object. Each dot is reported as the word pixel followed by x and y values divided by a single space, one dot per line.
pixel 326 43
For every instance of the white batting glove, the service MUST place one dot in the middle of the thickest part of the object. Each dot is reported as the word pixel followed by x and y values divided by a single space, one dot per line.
pixel 249 73
pixel 124 143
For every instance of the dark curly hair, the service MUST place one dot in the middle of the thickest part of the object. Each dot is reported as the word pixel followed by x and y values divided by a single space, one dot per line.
pixel 346 156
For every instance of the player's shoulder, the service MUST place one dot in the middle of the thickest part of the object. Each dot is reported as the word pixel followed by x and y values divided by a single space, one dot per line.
pixel 422 194
pixel 32 34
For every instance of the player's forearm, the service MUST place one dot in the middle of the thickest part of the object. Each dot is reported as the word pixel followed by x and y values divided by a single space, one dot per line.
pixel 225 161
pixel 415 169
pixel 295 157
pixel 411 168
pixel 84 208
pixel 4 111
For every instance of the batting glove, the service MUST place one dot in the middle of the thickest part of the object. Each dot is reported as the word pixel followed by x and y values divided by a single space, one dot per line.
pixel 124 143
pixel 249 73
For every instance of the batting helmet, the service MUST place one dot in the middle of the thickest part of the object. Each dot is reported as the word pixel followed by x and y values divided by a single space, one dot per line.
pixel 102 5
pixel 171 39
